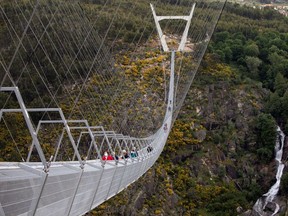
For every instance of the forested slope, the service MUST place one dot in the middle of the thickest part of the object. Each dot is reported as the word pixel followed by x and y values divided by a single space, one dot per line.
pixel 219 158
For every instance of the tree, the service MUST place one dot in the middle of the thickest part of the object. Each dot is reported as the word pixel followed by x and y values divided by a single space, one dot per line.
pixel 264 154
pixel 228 54
pixel 221 36
pixel 253 64
pixel 280 84
pixel 273 105
pixel 266 136
pixel 279 63
pixel 237 50
pixel 279 43
pixel 284 101
pixel 284 185
pixel 251 50
pixel 266 131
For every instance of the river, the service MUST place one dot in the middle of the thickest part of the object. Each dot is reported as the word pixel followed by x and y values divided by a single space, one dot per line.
pixel 270 196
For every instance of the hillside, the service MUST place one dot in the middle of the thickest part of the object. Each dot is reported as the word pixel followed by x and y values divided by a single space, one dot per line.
pixel 261 2
pixel 281 6
pixel 220 155
pixel 210 163
pixel 216 162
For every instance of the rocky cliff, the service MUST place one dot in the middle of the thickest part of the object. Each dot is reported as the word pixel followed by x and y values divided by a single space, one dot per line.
pixel 210 165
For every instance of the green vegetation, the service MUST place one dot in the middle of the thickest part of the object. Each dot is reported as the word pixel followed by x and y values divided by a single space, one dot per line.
pixel 284 185
pixel 266 136
pixel 241 84
pixel 216 159
pixel 255 41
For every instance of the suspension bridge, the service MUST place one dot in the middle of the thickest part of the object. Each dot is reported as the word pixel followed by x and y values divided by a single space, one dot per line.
pixel 72 69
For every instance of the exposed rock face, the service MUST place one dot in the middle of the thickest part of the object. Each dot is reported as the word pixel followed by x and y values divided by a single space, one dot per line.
pixel 200 135
pixel 270 208
pixel 268 211
pixel 285 154
pixel 239 209
pixel 231 171
pixel 224 153
pixel 139 200
pixel 247 213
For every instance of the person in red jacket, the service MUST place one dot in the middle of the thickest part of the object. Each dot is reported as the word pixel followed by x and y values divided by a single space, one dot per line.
pixel 110 157
pixel 106 156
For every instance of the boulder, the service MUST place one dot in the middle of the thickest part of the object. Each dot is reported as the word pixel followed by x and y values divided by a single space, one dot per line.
pixel 231 171
pixel 270 207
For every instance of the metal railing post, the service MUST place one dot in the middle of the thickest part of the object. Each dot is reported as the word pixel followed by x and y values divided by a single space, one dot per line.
pixel 59 143
pixel 77 146
pixel 28 122
pixel 76 189
pixel 44 176
pixel 97 187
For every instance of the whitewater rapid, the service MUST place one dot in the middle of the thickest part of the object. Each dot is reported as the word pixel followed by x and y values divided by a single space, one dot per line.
pixel 269 197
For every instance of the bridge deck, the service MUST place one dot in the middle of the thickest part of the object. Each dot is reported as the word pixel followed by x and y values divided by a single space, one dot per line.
pixel 67 189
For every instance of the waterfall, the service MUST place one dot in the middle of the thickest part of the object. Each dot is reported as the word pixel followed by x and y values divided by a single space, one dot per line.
pixel 269 197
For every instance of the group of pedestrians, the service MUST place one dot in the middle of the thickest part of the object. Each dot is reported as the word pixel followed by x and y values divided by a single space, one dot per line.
pixel 124 155
pixel 133 152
